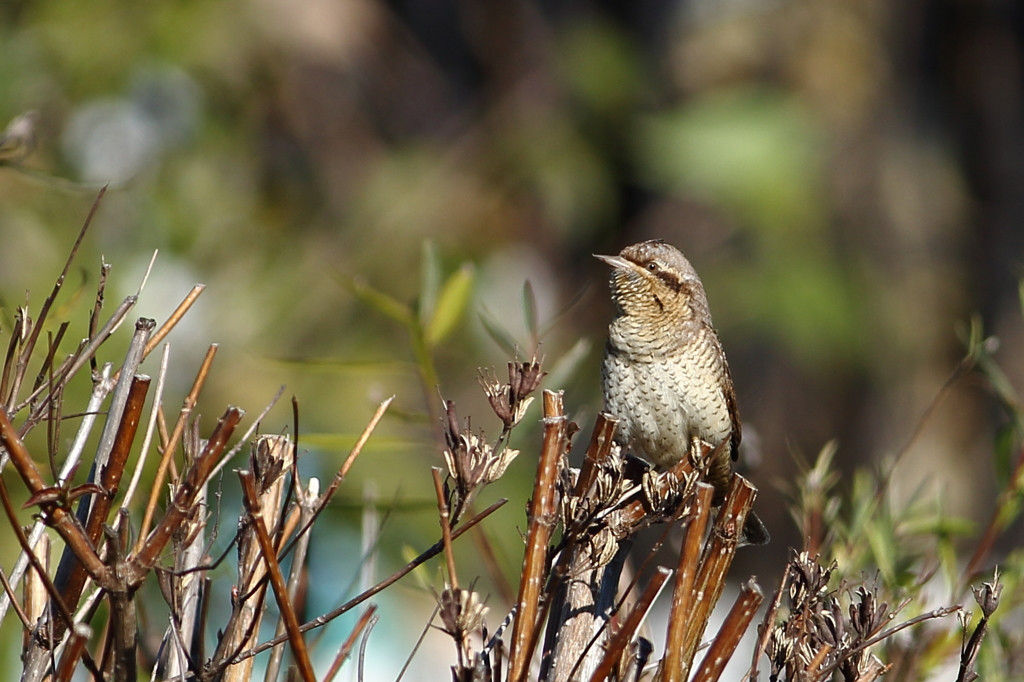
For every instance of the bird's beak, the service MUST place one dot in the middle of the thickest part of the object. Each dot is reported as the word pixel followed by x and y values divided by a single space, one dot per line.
pixel 614 261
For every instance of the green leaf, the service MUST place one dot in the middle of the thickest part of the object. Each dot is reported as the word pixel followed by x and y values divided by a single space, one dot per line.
pixel 530 311
pixel 880 538
pixel 430 280
pixel 1008 511
pixel 450 303
pixel 498 333
pixel 377 300
pixel 939 525
pixel 421 574
pixel 566 366
pixel 560 315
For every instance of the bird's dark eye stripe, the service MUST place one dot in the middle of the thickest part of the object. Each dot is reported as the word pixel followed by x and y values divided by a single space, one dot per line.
pixel 671 279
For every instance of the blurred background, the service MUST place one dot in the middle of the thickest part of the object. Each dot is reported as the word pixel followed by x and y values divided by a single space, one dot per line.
pixel 847 177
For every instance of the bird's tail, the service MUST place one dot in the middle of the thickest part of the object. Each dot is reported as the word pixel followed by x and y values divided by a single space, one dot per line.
pixel 754 532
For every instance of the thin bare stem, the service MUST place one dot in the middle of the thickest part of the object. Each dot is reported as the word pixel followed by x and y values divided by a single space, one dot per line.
pixel 425 556
pixel 766 624
pixel 253 507
pixel 147 439
pixel 325 499
pixel 174 319
pixel 307 501
pixel 350 642
pixel 446 529
pixel 145 276
pixel 617 644
pixel 362 647
pixel 179 427
pixel 30 344
pixel 150 546
pixel 996 525
pixel 58 516
pixel 357 448
pixel 9 591
pixel 416 646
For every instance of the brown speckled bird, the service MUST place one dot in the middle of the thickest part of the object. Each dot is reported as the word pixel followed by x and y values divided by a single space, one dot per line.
pixel 665 377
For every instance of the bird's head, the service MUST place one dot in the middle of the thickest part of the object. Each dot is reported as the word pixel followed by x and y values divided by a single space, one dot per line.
pixel 654 280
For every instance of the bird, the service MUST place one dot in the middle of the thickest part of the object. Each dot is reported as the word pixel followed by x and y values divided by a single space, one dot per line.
pixel 665 377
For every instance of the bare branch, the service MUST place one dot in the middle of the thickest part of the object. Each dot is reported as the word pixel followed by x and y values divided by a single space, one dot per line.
pixel 252 506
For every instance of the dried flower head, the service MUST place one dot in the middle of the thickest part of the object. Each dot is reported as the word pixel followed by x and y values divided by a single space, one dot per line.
pixel 810 580
pixel 779 649
pixel 461 611
pixel 511 400
pixel 988 595
pixel 472 461
pixel 867 616
pixel 829 625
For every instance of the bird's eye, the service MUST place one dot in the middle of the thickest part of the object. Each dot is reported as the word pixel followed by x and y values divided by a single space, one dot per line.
pixel 653 267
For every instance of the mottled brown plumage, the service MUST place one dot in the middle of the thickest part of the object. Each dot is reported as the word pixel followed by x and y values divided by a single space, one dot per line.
pixel 665 376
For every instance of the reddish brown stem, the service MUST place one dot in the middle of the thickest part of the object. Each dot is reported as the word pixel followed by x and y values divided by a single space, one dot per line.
pixel 597 451
pixel 284 602
pixel 58 517
pixel 350 642
pixel 109 479
pixel 184 497
pixel 72 652
pixel 686 573
pixel 542 517
pixel 994 527
pixel 618 642
pixel 730 633
pixel 715 562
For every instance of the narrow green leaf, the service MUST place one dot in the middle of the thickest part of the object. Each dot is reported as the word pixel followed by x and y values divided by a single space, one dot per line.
pixel 1008 511
pixel 498 333
pixel 430 280
pixel 879 537
pixel 381 302
pixel 450 303
pixel 530 312
pixel 421 574
pixel 560 315
pixel 564 368
pixel 64 312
